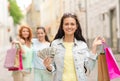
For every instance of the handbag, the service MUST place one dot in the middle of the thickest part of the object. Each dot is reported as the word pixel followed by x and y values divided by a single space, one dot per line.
pixel 113 69
pixel 20 67
pixel 16 61
pixel 10 57
pixel 13 61
pixel 102 68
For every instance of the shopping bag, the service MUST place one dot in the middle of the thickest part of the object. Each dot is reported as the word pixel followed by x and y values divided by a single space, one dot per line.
pixel 18 60
pixel 10 57
pixel 20 67
pixel 102 68
pixel 17 56
pixel 113 69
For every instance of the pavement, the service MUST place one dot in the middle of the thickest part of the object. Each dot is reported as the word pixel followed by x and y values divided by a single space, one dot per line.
pixel 6 75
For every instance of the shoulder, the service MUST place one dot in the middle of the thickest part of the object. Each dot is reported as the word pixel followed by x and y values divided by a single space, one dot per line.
pixel 56 41
pixel 47 43
pixel 81 42
pixel 34 40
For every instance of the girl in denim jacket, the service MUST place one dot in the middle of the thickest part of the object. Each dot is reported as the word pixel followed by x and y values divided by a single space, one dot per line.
pixel 73 58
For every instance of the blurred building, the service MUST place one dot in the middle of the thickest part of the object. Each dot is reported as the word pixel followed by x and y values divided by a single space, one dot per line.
pixel 103 18
pixel 6 25
pixel 50 16
pixel 33 14
pixel 97 17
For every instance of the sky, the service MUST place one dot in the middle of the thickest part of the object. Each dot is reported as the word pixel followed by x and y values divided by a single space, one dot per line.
pixel 23 3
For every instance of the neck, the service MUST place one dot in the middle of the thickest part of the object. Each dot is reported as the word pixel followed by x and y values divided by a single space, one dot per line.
pixel 68 38
pixel 42 41
pixel 26 40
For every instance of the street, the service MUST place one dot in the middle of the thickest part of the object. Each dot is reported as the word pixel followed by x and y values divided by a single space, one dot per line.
pixel 6 75
pixel 89 18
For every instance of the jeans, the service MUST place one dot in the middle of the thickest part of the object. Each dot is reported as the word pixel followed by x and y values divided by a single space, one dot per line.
pixel 42 75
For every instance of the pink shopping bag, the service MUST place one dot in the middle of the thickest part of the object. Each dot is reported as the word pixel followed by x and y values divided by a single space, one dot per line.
pixel 20 64
pixel 113 69
pixel 10 57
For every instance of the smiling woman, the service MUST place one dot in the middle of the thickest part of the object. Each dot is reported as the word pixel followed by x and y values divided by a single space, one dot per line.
pixel 73 57
pixel 25 36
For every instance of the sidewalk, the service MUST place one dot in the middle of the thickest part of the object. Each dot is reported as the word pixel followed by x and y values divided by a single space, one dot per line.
pixel 4 74
pixel 117 57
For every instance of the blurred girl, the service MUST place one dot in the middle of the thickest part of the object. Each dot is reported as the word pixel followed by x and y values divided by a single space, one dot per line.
pixel 25 36
pixel 42 41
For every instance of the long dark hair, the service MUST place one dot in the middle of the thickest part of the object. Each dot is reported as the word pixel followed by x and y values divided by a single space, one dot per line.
pixel 78 33
pixel 46 37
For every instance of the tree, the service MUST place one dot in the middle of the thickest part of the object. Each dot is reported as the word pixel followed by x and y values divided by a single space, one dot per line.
pixel 15 11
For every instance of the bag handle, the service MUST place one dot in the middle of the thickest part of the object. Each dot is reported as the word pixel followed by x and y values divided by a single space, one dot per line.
pixel 104 45
pixel 14 45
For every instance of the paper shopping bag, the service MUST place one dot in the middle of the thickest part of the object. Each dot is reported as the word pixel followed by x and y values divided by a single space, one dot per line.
pixel 10 57
pixel 113 69
pixel 16 61
pixel 102 68
pixel 19 60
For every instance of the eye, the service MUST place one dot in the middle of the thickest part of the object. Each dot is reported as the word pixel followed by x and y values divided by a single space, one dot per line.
pixel 66 24
pixel 72 24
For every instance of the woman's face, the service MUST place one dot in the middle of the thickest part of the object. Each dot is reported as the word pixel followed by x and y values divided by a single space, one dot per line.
pixel 25 33
pixel 40 34
pixel 69 26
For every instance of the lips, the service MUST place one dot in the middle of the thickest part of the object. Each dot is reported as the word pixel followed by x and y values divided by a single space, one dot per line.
pixel 69 30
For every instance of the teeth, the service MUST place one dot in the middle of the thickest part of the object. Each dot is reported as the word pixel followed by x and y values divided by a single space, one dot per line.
pixel 69 30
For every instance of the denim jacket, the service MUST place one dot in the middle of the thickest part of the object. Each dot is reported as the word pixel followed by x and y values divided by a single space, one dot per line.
pixel 81 54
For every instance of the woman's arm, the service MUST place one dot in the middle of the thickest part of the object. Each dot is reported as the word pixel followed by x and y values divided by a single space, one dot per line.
pixel 91 59
pixel 20 43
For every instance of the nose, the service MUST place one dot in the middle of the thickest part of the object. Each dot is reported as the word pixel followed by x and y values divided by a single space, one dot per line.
pixel 69 26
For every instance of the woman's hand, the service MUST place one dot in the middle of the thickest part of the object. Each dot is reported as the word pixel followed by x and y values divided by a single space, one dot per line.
pixel 98 41
pixel 22 41
pixel 47 61
pixel 15 42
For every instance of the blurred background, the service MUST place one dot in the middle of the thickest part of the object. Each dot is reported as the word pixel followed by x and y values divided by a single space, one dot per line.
pixel 97 17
